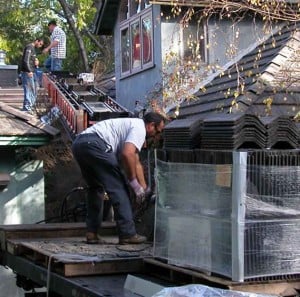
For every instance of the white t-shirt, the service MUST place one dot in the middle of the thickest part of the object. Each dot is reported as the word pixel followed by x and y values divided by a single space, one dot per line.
pixel 116 132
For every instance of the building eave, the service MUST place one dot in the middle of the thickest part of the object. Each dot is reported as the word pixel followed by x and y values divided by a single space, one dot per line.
pixel 106 17
pixel 205 3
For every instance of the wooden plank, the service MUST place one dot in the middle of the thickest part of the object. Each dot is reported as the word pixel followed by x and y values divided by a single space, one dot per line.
pixel 29 119
pixel 18 249
pixel 15 112
pixel 50 227
pixel 42 227
pixel 54 230
pixel 13 248
pixel 10 126
pixel 278 288
pixel 134 265
pixel 47 128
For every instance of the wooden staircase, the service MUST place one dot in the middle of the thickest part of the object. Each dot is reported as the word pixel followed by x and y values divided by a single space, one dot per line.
pixel 12 96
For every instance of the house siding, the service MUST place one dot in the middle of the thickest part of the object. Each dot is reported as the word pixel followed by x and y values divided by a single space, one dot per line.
pixel 223 33
pixel 136 86
pixel 22 201
pixel 220 35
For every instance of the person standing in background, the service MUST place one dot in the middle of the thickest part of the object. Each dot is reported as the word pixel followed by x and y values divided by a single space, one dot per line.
pixel 27 74
pixel 57 46
pixel 38 74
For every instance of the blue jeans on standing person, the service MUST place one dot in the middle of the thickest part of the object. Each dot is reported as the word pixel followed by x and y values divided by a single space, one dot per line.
pixel 47 64
pixel 56 64
pixel 38 76
pixel 29 91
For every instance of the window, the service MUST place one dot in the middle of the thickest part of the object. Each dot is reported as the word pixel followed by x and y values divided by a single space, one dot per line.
pixel 136 43
pixel 187 40
pixel 147 40
pixel 125 50
pixel 132 7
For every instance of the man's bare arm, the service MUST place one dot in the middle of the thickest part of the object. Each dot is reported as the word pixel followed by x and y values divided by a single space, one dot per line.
pixel 129 159
pixel 140 176
pixel 51 45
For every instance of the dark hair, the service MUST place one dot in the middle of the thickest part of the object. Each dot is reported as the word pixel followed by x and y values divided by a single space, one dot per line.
pixel 153 117
pixel 52 22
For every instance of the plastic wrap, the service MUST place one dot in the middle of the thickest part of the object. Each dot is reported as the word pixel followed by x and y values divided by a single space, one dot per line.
pixel 204 291
pixel 200 220
pixel 193 216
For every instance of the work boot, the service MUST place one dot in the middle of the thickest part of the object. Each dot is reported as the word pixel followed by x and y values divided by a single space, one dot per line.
pixel 135 239
pixel 92 238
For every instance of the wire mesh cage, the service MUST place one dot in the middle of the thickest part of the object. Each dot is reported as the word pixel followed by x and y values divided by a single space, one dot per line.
pixel 234 214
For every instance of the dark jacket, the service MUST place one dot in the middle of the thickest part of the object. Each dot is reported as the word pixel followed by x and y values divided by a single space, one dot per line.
pixel 28 58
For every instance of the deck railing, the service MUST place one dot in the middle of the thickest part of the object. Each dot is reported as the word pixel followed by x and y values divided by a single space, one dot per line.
pixel 73 116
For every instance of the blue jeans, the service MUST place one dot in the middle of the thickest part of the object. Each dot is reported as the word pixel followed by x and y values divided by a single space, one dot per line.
pixel 100 168
pixel 38 76
pixel 56 64
pixel 47 64
pixel 29 91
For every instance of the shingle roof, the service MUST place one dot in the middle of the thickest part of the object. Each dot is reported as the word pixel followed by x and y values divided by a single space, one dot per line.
pixel 261 77
pixel 271 84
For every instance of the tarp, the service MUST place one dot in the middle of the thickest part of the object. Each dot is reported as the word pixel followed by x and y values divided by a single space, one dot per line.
pixel 204 291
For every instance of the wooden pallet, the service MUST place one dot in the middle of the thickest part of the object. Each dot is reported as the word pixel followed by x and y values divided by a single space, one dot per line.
pixel 71 256
pixel 62 248
pixel 183 276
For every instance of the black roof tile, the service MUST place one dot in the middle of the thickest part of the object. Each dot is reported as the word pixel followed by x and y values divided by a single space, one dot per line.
pixel 256 69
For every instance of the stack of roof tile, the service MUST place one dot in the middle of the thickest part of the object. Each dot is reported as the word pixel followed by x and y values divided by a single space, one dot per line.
pixel 222 131
pixel 231 132
pixel 183 133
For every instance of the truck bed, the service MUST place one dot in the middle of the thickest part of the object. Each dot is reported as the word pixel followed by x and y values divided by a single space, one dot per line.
pixel 57 257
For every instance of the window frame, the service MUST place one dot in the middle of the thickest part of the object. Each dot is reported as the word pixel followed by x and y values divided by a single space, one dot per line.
pixel 127 24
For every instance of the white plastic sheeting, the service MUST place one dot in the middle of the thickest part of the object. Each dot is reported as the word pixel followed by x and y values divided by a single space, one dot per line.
pixel 204 291
pixel 8 285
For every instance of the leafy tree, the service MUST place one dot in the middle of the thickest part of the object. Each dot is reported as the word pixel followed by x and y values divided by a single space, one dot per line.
pixel 23 20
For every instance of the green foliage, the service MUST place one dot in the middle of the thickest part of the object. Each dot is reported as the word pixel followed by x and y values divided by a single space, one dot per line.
pixel 21 21
pixel 85 13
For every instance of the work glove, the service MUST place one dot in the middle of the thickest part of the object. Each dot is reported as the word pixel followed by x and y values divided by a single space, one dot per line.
pixel 138 191
pixel 150 196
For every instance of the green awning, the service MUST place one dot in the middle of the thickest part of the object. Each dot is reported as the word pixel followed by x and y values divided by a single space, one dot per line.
pixel 23 140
